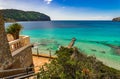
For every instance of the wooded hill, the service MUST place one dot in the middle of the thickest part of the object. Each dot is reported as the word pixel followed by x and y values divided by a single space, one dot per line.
pixel 19 15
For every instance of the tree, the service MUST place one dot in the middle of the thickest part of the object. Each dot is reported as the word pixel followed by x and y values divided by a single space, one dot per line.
pixel 14 29
pixel 63 67
pixel 73 64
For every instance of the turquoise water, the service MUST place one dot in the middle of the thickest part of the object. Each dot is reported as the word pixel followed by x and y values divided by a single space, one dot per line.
pixel 92 37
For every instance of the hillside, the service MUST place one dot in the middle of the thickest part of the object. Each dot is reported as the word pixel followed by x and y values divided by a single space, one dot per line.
pixel 116 19
pixel 73 64
pixel 19 15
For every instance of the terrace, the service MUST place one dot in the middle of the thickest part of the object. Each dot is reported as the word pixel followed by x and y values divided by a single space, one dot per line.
pixel 19 43
pixel 25 63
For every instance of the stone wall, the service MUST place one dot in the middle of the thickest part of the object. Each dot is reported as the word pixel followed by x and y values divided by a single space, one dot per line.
pixel 22 60
pixel 23 57
pixel 6 59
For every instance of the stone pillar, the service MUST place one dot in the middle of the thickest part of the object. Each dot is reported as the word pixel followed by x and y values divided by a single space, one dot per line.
pixel 5 54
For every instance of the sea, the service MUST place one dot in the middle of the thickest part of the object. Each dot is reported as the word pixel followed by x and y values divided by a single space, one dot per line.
pixel 93 38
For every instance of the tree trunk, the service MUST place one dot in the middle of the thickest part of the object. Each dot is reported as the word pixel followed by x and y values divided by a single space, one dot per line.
pixel 5 54
pixel 17 35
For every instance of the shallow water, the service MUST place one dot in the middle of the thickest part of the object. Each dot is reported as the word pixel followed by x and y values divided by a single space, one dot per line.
pixel 92 37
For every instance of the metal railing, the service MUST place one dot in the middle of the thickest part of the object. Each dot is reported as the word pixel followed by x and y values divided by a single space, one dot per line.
pixel 14 72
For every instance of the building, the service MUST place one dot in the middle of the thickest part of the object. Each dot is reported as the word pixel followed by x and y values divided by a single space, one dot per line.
pixel 16 55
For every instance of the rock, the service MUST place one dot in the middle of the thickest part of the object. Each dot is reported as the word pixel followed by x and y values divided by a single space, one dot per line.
pixel 10 37
pixel 117 19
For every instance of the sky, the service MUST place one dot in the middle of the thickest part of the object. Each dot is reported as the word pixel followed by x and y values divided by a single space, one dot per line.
pixel 68 9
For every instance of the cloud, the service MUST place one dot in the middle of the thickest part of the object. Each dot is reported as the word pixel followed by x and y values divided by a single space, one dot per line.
pixel 1 8
pixel 101 17
pixel 48 1
pixel 63 7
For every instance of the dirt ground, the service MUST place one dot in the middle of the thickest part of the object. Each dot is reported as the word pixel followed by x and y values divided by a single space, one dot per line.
pixel 39 62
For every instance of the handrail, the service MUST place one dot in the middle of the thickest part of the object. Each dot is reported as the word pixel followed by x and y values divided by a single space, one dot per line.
pixel 19 75
pixel 21 42
pixel 9 70
pixel 26 72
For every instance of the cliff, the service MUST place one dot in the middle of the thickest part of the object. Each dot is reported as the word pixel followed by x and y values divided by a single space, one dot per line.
pixel 116 19
pixel 19 15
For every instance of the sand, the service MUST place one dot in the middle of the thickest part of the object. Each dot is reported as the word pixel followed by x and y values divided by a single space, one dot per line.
pixel 39 62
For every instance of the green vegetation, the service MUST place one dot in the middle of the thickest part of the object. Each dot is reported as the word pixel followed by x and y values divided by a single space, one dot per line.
pixel 72 64
pixel 14 30
pixel 116 19
pixel 11 15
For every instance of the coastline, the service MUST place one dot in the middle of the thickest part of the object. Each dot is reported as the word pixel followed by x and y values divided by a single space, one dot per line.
pixel 106 61
pixel 92 37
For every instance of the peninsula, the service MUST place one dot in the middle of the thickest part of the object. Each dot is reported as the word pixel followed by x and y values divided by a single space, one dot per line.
pixel 11 15
pixel 117 19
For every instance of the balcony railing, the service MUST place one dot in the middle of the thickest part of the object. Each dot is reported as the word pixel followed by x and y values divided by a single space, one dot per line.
pixel 21 42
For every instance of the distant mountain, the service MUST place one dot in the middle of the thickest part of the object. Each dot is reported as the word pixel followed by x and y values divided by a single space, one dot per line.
pixel 19 15
pixel 116 19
